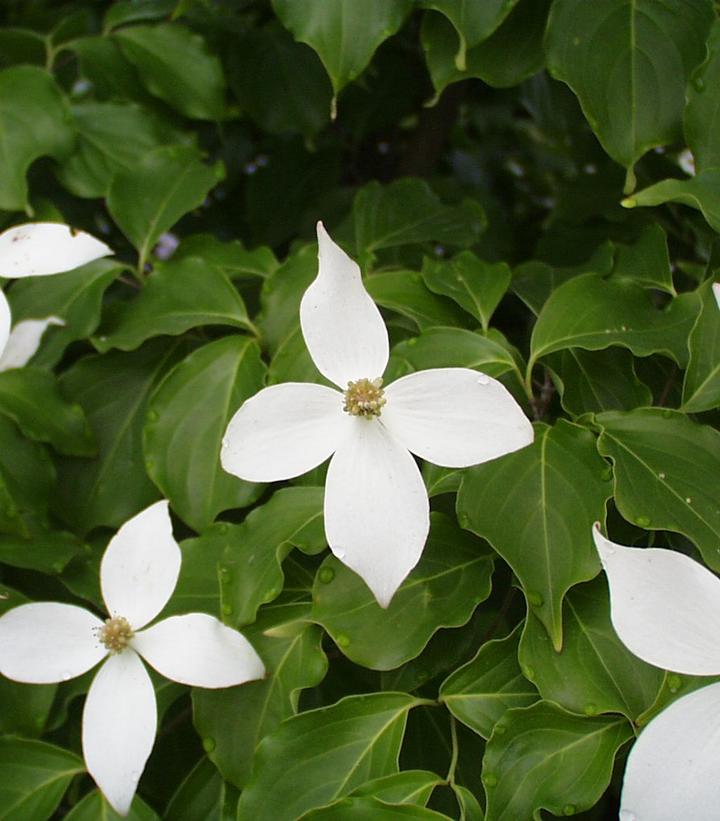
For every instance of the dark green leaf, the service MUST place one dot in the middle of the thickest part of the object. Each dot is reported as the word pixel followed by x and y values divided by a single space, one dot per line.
pixel 701 192
pixel 372 809
pixel 203 794
pixel 646 261
pixel 235 260
pixel 703 102
pixel 112 75
pixel 95 808
pixel 406 787
pixel 701 388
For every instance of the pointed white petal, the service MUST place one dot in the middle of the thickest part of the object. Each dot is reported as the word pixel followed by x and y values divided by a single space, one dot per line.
pixel 5 321
pixel 376 508
pixel 24 340
pixel 118 730
pixel 672 770
pixel 284 431
pixel 342 326
pixel 45 642
pixel 140 567
pixel 199 650
pixel 455 417
pixel 664 606
pixel 40 248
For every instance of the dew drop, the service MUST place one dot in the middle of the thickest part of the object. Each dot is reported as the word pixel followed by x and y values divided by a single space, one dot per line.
pixel 489 779
pixel 698 85
pixel 483 379
pixel 464 520
pixel 642 521
pixel 412 341
pixel 674 682
pixel 326 575
pixel 208 744
pixel 535 598
pixel 227 609
pixel 688 500
pixel 66 675
pixel 627 815
pixel 500 729
pixel 589 710
pixel 222 528
pixel 661 475
pixel 569 809
pixel 342 640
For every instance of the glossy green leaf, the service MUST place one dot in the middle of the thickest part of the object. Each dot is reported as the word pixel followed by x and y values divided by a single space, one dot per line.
pixel 292 362
pixel 34 122
pixel 628 61
pixel 232 257
pixel 372 809
pixel 665 469
pixel 479 692
pixel 95 808
pixel 701 192
pixel 162 54
pixel 48 551
pixel 182 437
pixel 114 77
pixel 343 33
pixel 321 755
pixel 594 673
pixel 646 261
pixel 150 197
pixel 536 507
pixel 470 808
pixel 452 577
pixel 133 11
pixel 203 794
pixel 74 297
pixel 177 296
pixel 405 787
pixel 567 770
pixel 33 778
pixel 701 388
pixel 233 721
pixel 21 45
pixel 32 399
pixel 113 390
pixel 703 102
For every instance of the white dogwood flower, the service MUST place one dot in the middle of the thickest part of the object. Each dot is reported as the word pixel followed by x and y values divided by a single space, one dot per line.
pixel 43 643
pixel 33 250
pixel 376 506
pixel 665 608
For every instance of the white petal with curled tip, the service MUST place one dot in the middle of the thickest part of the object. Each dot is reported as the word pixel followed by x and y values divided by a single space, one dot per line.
pixel 140 567
pixel 376 508
pixel 5 321
pixel 38 249
pixel 342 326
pixel 199 650
pixel 455 417
pixel 664 606
pixel 671 773
pixel 284 431
pixel 118 727
pixel 24 340
pixel 48 642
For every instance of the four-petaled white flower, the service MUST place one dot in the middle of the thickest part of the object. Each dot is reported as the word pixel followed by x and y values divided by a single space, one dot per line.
pixel 376 505
pixel 33 250
pixel 42 643
pixel 665 608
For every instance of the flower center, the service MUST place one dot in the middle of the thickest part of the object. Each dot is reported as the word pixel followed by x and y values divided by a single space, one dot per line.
pixel 364 398
pixel 115 634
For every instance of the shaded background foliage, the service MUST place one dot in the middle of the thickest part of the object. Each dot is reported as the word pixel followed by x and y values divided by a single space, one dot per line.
pixel 473 158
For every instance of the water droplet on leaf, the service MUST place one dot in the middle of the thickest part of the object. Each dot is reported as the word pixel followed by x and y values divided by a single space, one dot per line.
pixel 642 521
pixel 535 598
pixel 500 729
pixel 326 575
pixel 674 682
pixel 208 744
pixel 590 710
pixel 569 809
pixel 699 84
pixel 227 609
pixel 489 779
pixel 342 640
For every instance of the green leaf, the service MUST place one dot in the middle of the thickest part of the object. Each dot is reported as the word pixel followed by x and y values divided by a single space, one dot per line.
pixel 321 755
pixel 593 313
pixel 148 199
pixel 182 437
pixel 536 507
pixel 32 399
pixel 567 770
pixel 406 787
pixel 112 137
pixel 162 55
pixel 292 362
pixel 594 673
pixel 74 297
pixel 250 572
pixel 48 551
pixel 34 122
pixel 232 257
pixel 372 809
pixel 112 75
pixel 665 469
pixel 701 111
pixel 343 33
pixel 476 285
pixel 203 794
pixel 132 11
pixel 178 295
pixel 452 577
pixel 701 388
pixel 405 293
pixel 94 807
pixel 628 61
pixel 233 721
pixel 33 778
pixel 646 261
pixel 407 211
pixel 479 692
pixel 113 390
pixel 701 192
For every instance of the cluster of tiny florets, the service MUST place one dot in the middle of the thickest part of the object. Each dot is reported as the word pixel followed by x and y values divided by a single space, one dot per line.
pixel 115 634
pixel 364 398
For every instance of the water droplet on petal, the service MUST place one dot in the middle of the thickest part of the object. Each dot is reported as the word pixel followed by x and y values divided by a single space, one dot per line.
pixel 489 779
pixel 66 675
pixel 642 521
pixel 483 379
pixel 627 815
pixel 326 575
pixel 208 744
pixel 339 553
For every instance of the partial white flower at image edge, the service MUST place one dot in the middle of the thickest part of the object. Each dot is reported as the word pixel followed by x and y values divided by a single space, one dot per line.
pixel 43 643
pixel 665 608
pixel 376 506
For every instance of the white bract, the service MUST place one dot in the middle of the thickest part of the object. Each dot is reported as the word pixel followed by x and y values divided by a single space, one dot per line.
pixel 32 250
pixel 376 506
pixel 665 608
pixel 43 643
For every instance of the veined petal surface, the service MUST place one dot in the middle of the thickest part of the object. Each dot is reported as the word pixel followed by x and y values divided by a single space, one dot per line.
pixel 140 567
pixel 24 340
pixel 664 606
pixel 199 650
pixel 455 417
pixel 5 321
pixel 376 508
pixel 342 326
pixel 284 431
pixel 118 729
pixel 38 249
pixel 671 772
pixel 47 642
